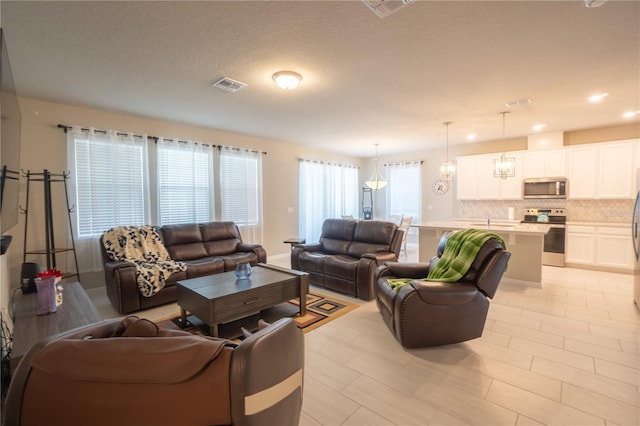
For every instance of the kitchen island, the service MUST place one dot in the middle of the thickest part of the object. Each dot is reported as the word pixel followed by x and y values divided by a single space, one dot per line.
pixel 525 241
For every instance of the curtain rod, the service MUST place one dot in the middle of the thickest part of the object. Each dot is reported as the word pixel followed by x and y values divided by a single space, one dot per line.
pixel 155 138
pixel 404 163
pixel 328 162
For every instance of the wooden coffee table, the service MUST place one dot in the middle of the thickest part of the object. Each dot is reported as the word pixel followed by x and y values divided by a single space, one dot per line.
pixel 221 298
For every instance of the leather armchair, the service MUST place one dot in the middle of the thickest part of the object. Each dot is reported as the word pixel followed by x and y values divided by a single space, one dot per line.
pixel 107 374
pixel 431 313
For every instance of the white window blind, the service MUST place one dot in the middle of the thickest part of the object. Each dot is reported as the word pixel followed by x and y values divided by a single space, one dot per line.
pixel 404 189
pixel 241 191
pixel 325 191
pixel 110 180
pixel 185 182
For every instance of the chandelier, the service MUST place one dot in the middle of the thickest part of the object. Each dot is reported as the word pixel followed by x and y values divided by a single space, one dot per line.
pixel 504 166
pixel 447 169
pixel 376 181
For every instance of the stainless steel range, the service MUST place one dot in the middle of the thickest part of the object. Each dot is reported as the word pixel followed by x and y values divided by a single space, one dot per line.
pixel 554 241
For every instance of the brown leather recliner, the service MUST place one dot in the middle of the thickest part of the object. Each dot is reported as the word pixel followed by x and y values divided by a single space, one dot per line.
pixel 162 377
pixel 431 313
pixel 348 254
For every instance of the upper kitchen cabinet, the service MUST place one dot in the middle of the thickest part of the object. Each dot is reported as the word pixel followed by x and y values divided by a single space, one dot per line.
pixel 547 163
pixel 603 171
pixel 475 181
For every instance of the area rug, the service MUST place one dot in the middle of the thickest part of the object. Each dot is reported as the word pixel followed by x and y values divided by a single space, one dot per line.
pixel 320 311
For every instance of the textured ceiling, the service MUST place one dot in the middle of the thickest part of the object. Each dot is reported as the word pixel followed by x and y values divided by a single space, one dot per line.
pixel 367 80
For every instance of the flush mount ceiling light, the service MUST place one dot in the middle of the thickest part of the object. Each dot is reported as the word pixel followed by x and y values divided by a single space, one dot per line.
pixel 287 80
pixel 504 167
pixel 447 169
pixel 376 181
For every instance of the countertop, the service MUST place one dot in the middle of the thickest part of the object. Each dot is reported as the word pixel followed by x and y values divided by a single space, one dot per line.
pixel 497 226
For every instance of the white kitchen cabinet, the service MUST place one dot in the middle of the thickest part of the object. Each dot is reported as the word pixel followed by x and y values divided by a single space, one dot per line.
pixel 580 245
pixel 547 163
pixel 615 169
pixel 583 165
pixel 475 181
pixel 511 188
pixel 614 248
pixel 488 186
pixel 602 171
pixel 466 182
pixel 599 246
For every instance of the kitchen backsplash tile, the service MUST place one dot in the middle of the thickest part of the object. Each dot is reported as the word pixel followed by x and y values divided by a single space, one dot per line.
pixel 608 211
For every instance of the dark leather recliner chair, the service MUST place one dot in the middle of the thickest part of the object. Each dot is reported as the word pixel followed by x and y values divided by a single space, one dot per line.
pixel 347 255
pixel 431 313
pixel 159 377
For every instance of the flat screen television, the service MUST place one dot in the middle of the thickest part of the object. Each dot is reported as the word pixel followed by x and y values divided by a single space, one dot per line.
pixel 9 143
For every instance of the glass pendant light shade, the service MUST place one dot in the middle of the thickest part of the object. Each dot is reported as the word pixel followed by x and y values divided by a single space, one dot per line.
pixel 447 169
pixel 504 167
pixel 376 181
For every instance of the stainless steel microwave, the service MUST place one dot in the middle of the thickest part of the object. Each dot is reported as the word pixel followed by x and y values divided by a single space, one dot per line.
pixel 546 187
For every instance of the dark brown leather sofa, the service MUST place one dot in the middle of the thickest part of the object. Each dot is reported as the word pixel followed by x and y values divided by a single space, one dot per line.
pixel 159 377
pixel 430 313
pixel 348 254
pixel 206 248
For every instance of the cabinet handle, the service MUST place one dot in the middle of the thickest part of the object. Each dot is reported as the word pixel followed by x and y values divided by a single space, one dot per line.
pixel 252 301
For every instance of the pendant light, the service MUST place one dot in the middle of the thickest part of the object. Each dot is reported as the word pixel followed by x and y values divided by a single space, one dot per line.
pixel 376 181
pixel 447 169
pixel 504 167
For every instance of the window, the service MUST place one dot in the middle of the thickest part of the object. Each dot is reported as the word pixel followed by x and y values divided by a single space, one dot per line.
pixel 326 191
pixel 241 191
pixel 404 189
pixel 185 184
pixel 110 180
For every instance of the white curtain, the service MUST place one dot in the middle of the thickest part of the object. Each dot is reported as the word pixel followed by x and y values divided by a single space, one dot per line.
pixel 404 189
pixel 325 191
pixel 241 191
pixel 108 186
pixel 185 182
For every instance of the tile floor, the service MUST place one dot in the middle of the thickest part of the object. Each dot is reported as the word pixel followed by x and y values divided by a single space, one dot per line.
pixel 566 354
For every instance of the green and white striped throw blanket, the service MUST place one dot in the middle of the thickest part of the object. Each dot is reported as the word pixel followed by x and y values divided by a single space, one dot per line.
pixel 459 253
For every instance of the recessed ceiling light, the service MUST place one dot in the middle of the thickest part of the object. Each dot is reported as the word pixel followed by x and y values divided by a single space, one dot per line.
pixel 472 136
pixel 598 97
pixel 539 127
pixel 630 114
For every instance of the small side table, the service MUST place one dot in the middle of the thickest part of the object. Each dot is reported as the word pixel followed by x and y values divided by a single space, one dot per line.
pixel 294 241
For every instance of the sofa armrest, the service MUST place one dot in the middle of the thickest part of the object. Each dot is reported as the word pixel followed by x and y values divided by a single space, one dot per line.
pixel 260 252
pixel 267 371
pixel 408 270
pixel 380 258
pixel 309 247
pixel 122 286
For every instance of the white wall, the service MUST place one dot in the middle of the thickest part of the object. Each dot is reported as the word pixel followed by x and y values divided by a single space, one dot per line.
pixel 44 146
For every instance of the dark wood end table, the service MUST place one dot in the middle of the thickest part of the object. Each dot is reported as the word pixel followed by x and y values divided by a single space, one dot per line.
pixel 221 298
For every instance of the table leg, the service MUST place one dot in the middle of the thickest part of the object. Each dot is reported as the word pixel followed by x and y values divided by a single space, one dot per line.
pixel 183 317
pixel 304 286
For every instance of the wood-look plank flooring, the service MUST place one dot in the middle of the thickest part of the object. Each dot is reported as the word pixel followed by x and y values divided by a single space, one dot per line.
pixel 565 354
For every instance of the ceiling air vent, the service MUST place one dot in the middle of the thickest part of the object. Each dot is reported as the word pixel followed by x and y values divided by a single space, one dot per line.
pixel 228 84
pixel 519 102
pixel 384 8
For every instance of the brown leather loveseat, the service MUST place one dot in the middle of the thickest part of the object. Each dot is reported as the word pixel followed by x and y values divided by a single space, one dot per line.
pixel 130 372
pixel 206 248
pixel 347 255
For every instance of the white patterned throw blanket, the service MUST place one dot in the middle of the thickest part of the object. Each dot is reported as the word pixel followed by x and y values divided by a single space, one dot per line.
pixel 142 246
